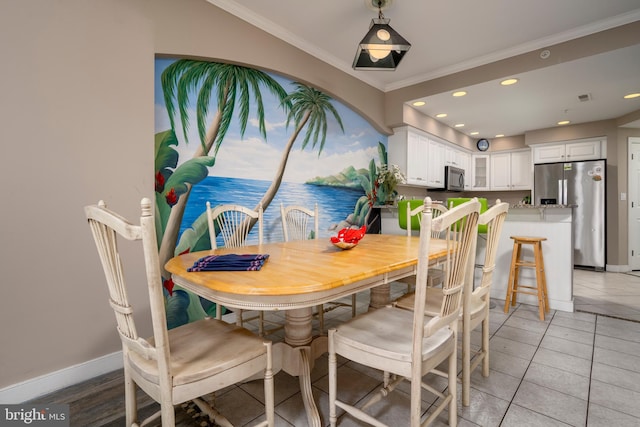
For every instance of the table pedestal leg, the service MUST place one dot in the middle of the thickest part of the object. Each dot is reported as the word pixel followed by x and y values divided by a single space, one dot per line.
pixel 380 296
pixel 299 357
pixel 297 327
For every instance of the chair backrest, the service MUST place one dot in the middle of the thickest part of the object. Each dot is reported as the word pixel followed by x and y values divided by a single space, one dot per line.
pixel 436 210
pixel 455 201
pixel 233 223
pixel 459 241
pixel 493 219
pixel 297 221
pixel 106 227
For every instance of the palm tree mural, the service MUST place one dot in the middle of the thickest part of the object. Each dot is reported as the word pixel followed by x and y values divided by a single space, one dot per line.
pixel 233 86
pixel 234 89
pixel 307 105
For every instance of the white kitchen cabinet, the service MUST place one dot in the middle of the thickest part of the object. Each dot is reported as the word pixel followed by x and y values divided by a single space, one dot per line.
pixel 549 153
pixel 480 167
pixel 422 157
pixel 568 151
pixel 521 170
pixel 435 164
pixel 511 171
pixel 587 150
pixel 459 159
pixel 464 161
pixel 500 172
pixel 417 159
pixel 409 150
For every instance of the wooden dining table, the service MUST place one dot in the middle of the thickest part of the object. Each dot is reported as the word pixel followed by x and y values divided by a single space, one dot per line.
pixel 299 275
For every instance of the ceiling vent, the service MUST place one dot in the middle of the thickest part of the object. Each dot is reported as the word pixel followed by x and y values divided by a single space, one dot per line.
pixel 584 98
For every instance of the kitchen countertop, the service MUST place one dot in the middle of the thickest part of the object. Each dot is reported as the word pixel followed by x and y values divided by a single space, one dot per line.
pixel 525 206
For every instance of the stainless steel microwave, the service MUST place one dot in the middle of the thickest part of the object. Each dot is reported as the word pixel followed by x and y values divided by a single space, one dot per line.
pixel 453 178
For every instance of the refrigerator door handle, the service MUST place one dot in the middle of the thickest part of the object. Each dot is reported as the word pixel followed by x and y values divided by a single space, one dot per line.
pixel 564 192
pixel 560 193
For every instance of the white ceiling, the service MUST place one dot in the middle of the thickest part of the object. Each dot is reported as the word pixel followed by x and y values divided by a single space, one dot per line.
pixel 456 35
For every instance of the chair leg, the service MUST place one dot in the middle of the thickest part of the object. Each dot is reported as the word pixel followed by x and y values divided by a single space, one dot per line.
pixel 416 401
pixel 485 344
pixel 543 276
pixel 333 381
pixel 168 414
pixel 320 309
pixel 261 323
pixel 453 392
pixel 512 270
pixel 268 387
pixel 537 252
pixel 466 364
pixel 131 405
pixel 516 276
pixel 239 320
pixel 353 305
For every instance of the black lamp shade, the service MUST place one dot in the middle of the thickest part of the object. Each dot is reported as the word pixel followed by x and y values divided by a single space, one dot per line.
pixel 380 39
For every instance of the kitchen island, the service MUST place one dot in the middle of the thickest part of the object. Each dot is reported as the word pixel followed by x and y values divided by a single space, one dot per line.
pixel 551 221
pixel 554 222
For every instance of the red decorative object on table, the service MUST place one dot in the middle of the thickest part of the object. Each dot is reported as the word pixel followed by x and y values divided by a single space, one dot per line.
pixel 347 238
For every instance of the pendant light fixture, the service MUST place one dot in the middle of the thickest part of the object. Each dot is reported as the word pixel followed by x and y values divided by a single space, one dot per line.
pixel 382 48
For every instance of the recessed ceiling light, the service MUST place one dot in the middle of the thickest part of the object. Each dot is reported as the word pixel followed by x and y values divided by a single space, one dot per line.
pixel 441 115
pixel 564 122
pixel 500 135
pixel 474 133
pixel 632 95
pixel 509 82
pixel 459 93
pixel 459 125
pixel 418 103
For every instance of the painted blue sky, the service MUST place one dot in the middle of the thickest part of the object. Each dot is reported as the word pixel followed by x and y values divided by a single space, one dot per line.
pixel 251 156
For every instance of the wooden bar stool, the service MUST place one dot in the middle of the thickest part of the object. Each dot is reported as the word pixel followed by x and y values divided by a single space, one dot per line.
pixel 514 287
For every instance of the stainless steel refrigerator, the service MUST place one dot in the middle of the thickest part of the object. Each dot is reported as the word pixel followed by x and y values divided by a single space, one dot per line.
pixel 582 185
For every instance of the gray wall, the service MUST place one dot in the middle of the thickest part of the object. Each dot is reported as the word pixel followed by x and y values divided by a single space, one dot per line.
pixel 78 125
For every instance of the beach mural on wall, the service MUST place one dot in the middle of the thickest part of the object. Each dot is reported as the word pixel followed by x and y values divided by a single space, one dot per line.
pixel 231 134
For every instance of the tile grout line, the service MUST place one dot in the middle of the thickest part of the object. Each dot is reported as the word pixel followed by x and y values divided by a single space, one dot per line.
pixel 526 370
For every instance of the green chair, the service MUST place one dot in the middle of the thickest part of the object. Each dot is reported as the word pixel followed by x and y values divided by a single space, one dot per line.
pixel 455 201
pixel 403 205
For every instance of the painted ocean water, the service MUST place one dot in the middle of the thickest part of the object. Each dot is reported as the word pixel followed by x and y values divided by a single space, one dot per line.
pixel 334 203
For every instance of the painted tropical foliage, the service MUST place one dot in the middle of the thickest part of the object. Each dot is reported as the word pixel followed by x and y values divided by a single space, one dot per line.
pixel 226 134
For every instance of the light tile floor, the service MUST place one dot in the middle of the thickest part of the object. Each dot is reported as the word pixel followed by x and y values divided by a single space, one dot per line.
pixel 573 369
pixel 610 294
pixel 577 369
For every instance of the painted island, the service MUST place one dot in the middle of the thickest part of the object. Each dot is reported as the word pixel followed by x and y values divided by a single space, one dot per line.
pixel 554 222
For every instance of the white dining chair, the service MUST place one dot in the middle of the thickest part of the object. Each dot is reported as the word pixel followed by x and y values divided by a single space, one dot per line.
pixel 184 363
pixel 436 274
pixel 405 344
pixel 297 222
pixel 233 223
pixel 475 305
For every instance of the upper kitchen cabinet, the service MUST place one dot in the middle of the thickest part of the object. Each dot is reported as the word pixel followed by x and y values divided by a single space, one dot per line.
pixel 481 168
pixel 410 151
pixel 511 171
pixel 416 159
pixel 435 164
pixel 464 163
pixel 422 157
pixel 569 151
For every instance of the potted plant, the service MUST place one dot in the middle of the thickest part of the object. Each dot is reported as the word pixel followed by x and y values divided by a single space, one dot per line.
pixel 388 178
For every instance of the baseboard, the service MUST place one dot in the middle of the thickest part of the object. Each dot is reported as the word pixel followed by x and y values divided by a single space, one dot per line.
pixel 617 268
pixel 39 386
